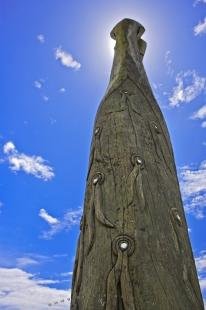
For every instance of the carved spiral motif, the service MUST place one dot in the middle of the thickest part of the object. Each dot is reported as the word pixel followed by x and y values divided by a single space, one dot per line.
pixel 136 159
pixel 97 131
pixel 123 243
pixel 98 178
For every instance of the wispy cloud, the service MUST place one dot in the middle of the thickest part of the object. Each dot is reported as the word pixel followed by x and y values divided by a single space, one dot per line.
pixel 48 218
pixel 196 2
pixel 38 83
pixel 70 219
pixel 45 98
pixel 29 259
pixel 193 187
pixel 199 1
pixel 62 90
pixel 41 38
pixel 1 206
pixel 169 63
pixel 200 262
pixel 200 114
pixel 189 85
pixel 22 290
pixel 26 261
pixel 203 125
pixel 200 28
pixel 66 59
pixel 66 274
pixel 34 165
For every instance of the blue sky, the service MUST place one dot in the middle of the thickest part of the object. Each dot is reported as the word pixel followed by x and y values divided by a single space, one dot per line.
pixel 56 58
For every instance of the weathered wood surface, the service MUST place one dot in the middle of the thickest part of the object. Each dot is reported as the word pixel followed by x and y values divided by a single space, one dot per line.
pixel 133 252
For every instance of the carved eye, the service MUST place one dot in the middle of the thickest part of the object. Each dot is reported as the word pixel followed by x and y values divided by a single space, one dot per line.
pixel 98 178
pixel 97 130
pixel 136 159
pixel 123 245
pixel 176 216
pixel 95 180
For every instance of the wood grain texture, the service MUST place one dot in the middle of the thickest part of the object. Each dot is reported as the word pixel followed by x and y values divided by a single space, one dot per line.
pixel 134 251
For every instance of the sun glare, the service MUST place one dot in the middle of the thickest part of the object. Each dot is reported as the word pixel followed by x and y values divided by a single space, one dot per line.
pixel 111 45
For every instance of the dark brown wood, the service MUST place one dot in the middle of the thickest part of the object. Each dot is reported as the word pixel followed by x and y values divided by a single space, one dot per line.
pixel 134 251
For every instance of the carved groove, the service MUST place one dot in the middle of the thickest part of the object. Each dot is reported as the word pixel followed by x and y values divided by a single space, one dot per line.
pixel 96 209
pixel 155 131
pixel 119 284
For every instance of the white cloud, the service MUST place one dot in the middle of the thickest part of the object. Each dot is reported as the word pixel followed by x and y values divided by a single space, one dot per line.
pixel 38 84
pixel 45 98
pixel 196 206
pixel 193 180
pixel 200 28
pixel 41 38
pixel 193 187
pixel 189 85
pixel 202 284
pixel 26 261
pixel 21 290
pixel 66 59
pixel 198 1
pixel 23 260
pixel 9 147
pixel 200 114
pixel 48 218
pixel 169 63
pixel 70 218
pixel 200 262
pixel 66 274
pixel 203 125
pixel 62 90
pixel 34 165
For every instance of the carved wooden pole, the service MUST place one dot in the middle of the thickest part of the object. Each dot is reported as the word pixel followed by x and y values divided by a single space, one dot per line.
pixel 133 251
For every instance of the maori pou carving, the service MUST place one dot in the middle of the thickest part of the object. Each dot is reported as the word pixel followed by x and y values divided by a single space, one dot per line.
pixel 134 251
pixel 119 277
